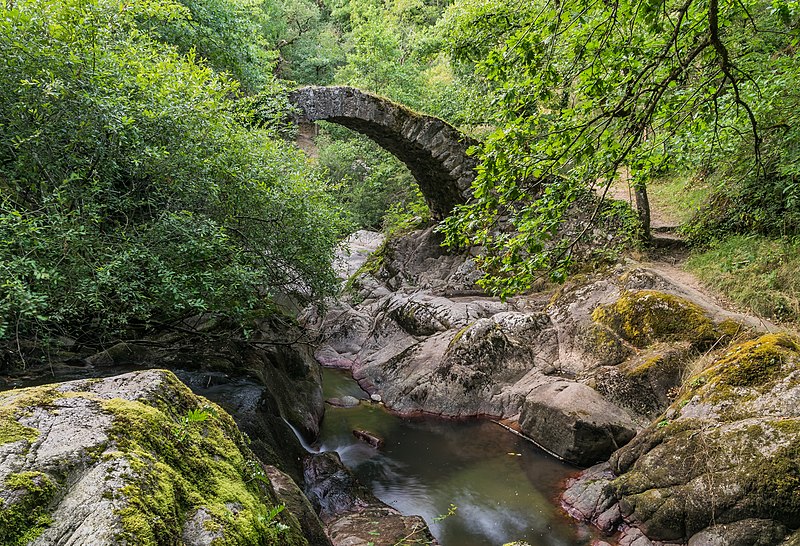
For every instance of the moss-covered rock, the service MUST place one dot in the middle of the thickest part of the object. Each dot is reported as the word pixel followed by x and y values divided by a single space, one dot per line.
pixel 647 383
pixel 23 514
pixel 725 455
pixel 135 459
pixel 606 346
pixel 758 362
pixel 649 316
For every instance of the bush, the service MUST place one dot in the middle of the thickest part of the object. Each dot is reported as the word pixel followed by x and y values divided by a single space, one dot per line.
pixel 370 181
pixel 129 192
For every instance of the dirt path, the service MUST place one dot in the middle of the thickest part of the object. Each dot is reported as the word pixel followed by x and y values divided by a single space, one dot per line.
pixel 660 220
pixel 720 307
pixel 669 253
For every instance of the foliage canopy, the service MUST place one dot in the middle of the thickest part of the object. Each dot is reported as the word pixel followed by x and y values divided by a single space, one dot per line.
pixel 129 192
pixel 584 89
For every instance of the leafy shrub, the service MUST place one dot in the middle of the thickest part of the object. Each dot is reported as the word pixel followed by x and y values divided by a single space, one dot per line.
pixel 370 181
pixel 128 190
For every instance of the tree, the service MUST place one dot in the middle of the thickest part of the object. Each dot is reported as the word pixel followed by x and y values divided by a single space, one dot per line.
pixel 585 88
pixel 129 192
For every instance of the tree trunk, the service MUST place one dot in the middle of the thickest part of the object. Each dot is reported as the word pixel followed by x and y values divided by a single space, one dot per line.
pixel 643 208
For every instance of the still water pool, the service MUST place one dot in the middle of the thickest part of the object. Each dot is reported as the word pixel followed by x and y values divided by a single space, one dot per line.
pixel 504 487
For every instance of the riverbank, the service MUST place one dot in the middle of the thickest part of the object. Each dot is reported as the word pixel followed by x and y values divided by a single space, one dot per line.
pixel 628 367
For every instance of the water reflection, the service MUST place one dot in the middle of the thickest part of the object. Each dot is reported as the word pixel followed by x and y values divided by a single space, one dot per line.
pixel 501 484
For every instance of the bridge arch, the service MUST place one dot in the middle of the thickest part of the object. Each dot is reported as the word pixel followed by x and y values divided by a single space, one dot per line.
pixel 433 150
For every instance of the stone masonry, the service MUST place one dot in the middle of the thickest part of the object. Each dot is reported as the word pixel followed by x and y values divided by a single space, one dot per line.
pixel 434 151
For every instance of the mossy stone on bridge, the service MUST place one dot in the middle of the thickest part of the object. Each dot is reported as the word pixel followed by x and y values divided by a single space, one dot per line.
pixel 434 151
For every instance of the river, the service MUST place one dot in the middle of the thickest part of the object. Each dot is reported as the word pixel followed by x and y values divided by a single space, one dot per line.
pixel 503 487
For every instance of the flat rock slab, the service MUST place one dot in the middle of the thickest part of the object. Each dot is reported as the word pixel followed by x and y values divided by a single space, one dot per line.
pixel 575 422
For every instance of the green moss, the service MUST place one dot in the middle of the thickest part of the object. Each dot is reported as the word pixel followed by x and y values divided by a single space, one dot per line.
pixel 645 367
pixel 647 316
pixel 26 518
pixel 177 466
pixel 373 264
pixel 39 397
pixel 774 484
pixel 177 469
pixel 731 328
pixel 17 402
pixel 459 335
pixel 603 343
pixel 757 362
pixel 12 431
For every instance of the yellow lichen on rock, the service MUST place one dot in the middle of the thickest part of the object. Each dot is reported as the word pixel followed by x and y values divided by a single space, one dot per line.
pixel 754 363
pixel 647 316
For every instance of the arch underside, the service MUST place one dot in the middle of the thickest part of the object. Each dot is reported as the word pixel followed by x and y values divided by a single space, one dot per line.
pixel 434 151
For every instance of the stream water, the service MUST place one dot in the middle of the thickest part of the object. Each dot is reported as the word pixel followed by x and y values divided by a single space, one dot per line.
pixel 504 487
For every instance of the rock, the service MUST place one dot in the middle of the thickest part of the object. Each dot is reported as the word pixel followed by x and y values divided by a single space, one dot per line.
pixel 332 488
pixel 379 526
pixel 746 532
pixel 793 540
pixel 353 253
pixel 200 529
pixel 647 382
pixel 369 438
pixel 377 398
pixel 723 467
pixel 296 503
pixel 634 537
pixel 354 516
pixel 486 367
pixel 647 316
pixel 127 459
pixel 581 369
pixel 589 499
pixel 257 413
pixel 344 402
pixel 290 374
pixel 575 422
pixel 121 354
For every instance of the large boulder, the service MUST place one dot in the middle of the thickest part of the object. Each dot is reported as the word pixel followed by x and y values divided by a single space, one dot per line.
pixel 270 383
pixel 722 464
pixel 134 459
pixel 575 422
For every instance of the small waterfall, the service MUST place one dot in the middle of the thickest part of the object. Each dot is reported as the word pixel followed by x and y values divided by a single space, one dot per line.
pixel 308 447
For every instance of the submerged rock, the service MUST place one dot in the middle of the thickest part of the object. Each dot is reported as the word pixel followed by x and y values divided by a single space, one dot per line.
pixel 332 488
pixel 369 438
pixel 130 459
pixel 353 515
pixel 344 402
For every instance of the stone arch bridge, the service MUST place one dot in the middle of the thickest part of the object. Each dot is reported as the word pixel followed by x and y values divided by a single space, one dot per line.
pixel 433 150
